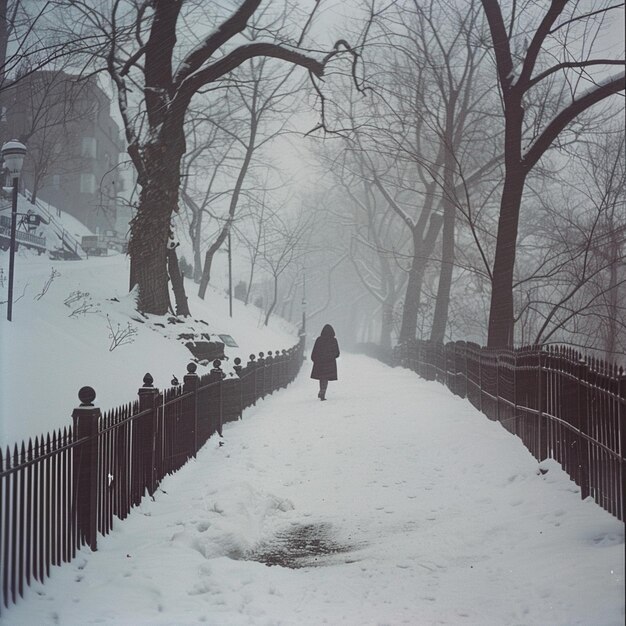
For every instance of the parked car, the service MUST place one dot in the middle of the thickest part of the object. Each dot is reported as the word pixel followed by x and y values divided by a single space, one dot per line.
pixel 95 245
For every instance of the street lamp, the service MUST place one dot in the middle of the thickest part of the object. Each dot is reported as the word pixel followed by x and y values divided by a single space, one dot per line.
pixel 13 153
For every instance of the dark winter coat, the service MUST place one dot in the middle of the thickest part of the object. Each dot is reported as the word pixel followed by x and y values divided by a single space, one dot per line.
pixel 324 355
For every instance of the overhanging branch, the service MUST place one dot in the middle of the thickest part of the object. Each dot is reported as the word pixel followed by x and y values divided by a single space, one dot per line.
pixel 552 130
pixel 234 59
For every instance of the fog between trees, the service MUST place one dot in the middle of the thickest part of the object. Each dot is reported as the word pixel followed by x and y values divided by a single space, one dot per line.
pixel 439 170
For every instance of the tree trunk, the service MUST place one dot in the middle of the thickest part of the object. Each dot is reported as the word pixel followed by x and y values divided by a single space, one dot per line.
pixel 271 309
pixel 208 262
pixel 501 309
pixel 197 257
pixel 249 289
pixel 290 313
pixel 386 324
pixel 35 190
pixel 501 320
pixel 150 229
pixel 178 285
pixel 147 251
pixel 442 304
pixel 412 297
pixel 422 249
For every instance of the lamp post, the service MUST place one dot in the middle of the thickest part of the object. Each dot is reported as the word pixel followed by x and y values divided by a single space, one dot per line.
pixel 13 153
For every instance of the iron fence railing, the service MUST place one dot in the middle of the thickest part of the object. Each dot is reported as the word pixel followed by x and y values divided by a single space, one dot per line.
pixel 58 492
pixel 561 404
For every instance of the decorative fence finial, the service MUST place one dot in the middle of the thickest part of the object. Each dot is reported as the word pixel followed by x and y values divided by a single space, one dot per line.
pixel 86 395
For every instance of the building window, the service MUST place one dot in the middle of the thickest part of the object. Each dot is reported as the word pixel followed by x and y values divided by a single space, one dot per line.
pixel 87 183
pixel 56 181
pixel 3 114
pixel 89 147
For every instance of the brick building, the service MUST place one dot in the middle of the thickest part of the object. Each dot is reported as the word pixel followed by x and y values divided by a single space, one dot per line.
pixel 74 146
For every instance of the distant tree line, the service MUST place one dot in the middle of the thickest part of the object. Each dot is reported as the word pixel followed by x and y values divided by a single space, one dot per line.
pixel 464 172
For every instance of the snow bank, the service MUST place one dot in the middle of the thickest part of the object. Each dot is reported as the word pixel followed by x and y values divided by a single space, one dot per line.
pixel 64 314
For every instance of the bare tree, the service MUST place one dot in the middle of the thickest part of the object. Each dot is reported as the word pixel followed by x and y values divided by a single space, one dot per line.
pixel 283 242
pixel 204 165
pixel 251 237
pixel 263 95
pixel 377 240
pixel 530 53
pixel 423 134
pixel 577 246
pixel 157 76
pixel 30 41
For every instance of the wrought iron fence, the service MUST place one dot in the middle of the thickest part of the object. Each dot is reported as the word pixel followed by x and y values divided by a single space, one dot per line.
pixel 58 492
pixel 561 404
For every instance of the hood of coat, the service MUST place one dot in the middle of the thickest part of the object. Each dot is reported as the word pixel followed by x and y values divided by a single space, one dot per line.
pixel 327 331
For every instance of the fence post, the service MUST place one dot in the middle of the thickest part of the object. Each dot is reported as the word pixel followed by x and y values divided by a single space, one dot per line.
pixel 251 367
pixel 622 420
pixel 237 366
pixel 457 369
pixel 278 359
pixel 282 360
pixel 269 365
pixel 146 430
pixel 190 384
pixel 85 471
pixel 542 401
pixel 465 374
pixel 216 376
pixel 518 364
pixel 498 386
pixel 239 371
pixel 583 425
pixel 261 372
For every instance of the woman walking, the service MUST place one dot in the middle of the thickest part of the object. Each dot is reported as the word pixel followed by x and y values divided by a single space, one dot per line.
pixel 324 355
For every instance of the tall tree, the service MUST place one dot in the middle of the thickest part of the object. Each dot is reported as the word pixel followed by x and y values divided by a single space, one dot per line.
pixel 522 69
pixel 376 240
pixel 144 50
pixel 283 242
pixel 204 166
pixel 425 124
pixel 264 95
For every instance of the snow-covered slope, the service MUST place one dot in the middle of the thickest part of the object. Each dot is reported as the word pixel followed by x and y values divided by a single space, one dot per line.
pixel 64 314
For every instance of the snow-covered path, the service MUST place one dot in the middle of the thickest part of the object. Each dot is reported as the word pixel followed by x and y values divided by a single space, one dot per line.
pixel 431 513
